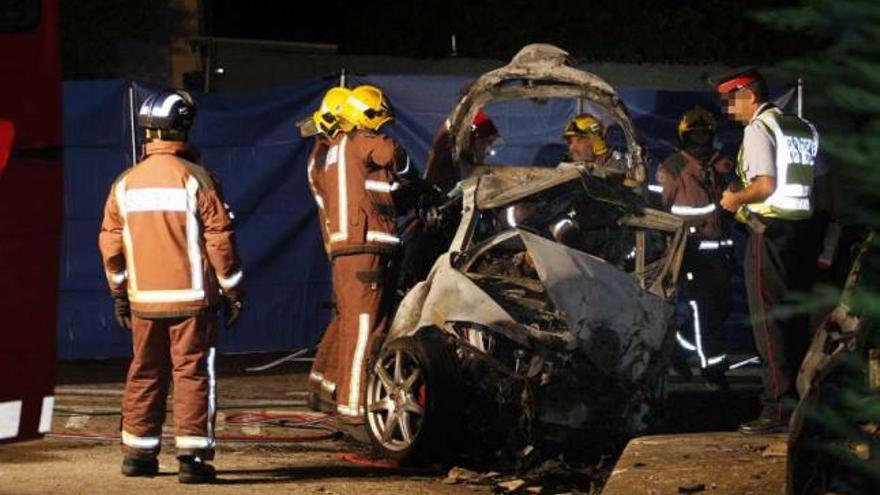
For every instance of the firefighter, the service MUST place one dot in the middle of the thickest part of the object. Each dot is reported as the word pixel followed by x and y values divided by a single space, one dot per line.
pixel 585 136
pixel 484 137
pixel 440 169
pixel 692 180
pixel 169 253
pixel 775 170
pixel 323 376
pixel 361 170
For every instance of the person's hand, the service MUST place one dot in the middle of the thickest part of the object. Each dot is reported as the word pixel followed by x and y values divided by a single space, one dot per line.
pixel 232 309
pixel 730 201
pixel 122 310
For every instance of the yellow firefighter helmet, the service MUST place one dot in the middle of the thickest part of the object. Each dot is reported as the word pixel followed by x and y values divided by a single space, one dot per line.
pixel 326 118
pixel 367 108
pixel 696 119
pixel 588 126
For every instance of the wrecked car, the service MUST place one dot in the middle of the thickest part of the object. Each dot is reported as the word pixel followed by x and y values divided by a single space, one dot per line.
pixel 516 342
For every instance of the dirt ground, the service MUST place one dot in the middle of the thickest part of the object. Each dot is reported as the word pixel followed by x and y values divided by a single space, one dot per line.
pixel 87 403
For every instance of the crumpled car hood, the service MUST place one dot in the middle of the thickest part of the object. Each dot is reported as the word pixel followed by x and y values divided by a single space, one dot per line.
pixel 619 325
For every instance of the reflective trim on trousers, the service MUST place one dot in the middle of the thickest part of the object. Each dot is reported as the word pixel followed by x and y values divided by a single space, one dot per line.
pixel 684 343
pixel 357 362
pixel 326 385
pixel 134 441
pixel 350 411
pixel 212 394
pixel 190 442
pixel 697 335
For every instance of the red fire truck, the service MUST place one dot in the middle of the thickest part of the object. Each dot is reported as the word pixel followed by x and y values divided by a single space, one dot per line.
pixel 30 214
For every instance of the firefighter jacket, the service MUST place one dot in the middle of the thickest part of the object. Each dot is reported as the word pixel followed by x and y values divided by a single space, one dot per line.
pixel 356 173
pixel 796 146
pixel 167 237
pixel 692 188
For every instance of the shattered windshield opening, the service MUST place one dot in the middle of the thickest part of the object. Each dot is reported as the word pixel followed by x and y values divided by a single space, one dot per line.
pixel 529 132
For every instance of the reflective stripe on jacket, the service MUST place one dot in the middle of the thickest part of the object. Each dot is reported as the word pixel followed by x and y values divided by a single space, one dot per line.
pixel 315 166
pixel 691 189
pixel 167 238
pixel 797 144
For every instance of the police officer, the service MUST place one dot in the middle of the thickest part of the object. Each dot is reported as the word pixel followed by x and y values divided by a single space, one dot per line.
pixel 692 180
pixel 169 253
pixel 361 169
pixel 775 170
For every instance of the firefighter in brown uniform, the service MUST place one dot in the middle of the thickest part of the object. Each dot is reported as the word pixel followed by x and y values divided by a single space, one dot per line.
pixel 323 376
pixel 692 180
pixel 361 170
pixel 774 199
pixel 169 254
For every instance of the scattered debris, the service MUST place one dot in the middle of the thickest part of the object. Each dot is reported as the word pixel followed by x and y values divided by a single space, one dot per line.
pixel 512 485
pixel 695 488
pixel 775 449
pixel 460 475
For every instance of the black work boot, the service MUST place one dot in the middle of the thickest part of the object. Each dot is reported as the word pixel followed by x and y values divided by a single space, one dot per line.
pixel 195 470
pixel 716 376
pixel 764 426
pixel 133 466
pixel 680 365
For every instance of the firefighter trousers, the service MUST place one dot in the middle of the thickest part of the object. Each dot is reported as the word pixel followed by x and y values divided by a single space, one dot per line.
pixel 361 286
pixel 779 262
pixel 704 303
pixel 165 350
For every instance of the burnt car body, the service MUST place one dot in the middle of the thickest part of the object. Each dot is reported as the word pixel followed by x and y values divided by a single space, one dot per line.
pixel 834 433
pixel 516 339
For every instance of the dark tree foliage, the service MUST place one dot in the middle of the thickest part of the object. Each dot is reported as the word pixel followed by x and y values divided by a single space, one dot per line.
pixel 843 100
pixel 842 94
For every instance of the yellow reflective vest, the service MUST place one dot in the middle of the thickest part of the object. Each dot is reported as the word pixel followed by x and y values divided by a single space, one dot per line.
pixel 797 144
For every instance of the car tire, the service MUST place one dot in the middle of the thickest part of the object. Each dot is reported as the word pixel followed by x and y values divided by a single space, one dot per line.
pixel 412 398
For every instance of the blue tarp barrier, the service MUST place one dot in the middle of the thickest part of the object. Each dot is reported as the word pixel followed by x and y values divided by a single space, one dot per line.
pixel 249 141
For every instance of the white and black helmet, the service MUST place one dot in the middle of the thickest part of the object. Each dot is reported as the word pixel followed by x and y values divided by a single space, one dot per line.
pixel 167 111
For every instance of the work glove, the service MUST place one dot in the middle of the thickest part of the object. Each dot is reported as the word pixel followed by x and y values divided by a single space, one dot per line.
pixel 122 310
pixel 232 309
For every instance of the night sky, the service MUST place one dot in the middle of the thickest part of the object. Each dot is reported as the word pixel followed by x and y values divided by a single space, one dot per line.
pixel 683 31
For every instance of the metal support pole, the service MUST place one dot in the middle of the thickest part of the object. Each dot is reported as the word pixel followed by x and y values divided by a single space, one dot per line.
pixel 131 125
pixel 209 62
pixel 800 97
pixel 343 78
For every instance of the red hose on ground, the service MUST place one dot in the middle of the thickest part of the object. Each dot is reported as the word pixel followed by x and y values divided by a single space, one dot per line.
pixel 86 435
pixel 289 420
pixel 359 460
